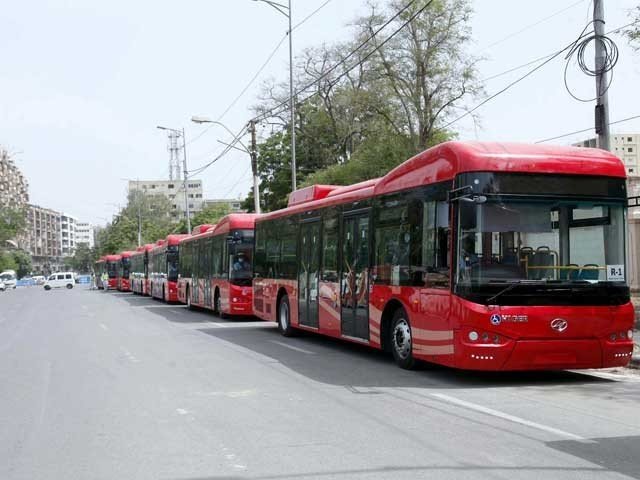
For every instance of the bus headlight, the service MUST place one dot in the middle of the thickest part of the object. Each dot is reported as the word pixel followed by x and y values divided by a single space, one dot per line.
pixel 473 336
pixel 630 334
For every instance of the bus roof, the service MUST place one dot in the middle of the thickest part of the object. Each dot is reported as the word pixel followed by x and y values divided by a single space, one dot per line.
pixel 235 221
pixel 175 239
pixel 202 228
pixel 126 253
pixel 112 258
pixel 443 162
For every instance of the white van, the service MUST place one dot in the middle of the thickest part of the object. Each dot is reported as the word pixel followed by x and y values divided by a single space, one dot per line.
pixel 60 280
pixel 9 279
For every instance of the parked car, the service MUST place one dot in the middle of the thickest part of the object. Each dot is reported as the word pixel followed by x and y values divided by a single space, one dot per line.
pixel 2 287
pixel 60 280
pixel 9 278
pixel 39 279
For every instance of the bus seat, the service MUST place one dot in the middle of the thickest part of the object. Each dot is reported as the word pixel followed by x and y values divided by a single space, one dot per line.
pixel 589 274
pixel 570 274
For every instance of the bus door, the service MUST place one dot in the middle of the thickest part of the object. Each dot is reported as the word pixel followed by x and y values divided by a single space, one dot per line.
pixel 308 273
pixel 208 246
pixel 197 269
pixel 354 284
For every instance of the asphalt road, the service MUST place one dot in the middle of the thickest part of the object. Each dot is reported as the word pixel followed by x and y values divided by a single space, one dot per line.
pixel 100 385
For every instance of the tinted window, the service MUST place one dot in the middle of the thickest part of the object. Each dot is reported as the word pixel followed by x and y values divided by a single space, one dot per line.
pixel 330 246
pixel 68 276
pixel 60 277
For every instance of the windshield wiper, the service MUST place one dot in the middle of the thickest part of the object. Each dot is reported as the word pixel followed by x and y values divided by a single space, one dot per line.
pixel 514 285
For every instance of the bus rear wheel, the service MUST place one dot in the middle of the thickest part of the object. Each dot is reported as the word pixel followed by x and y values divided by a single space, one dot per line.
pixel 217 305
pixel 400 340
pixel 284 317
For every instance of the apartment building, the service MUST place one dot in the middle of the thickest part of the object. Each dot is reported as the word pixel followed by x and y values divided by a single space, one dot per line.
pixel 44 239
pixel 85 234
pixel 174 191
pixel 625 146
pixel 68 234
pixel 14 189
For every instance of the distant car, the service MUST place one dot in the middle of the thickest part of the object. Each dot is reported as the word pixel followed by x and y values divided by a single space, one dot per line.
pixel 9 278
pixel 60 280
pixel 39 279
pixel 2 287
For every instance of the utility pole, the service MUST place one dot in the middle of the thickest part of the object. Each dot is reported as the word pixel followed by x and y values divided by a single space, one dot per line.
pixel 293 107
pixel 254 166
pixel 602 103
pixel 184 171
pixel 139 212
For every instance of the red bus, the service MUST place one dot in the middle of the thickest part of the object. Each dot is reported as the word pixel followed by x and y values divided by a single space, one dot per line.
pixel 124 271
pixel 184 274
pixel 163 267
pixel 480 256
pixel 219 263
pixel 99 267
pixel 140 269
pixel 113 266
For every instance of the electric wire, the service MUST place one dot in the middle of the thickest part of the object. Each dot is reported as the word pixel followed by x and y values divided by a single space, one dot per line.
pixel 310 15
pixel 585 130
pixel 364 43
pixel 524 29
pixel 570 47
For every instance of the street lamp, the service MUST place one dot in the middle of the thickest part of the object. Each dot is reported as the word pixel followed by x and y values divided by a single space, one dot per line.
pixel 184 171
pixel 286 11
pixel 252 152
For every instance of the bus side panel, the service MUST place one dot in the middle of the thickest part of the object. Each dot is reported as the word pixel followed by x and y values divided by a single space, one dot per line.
pixel 291 287
pixel 329 309
pixel 264 299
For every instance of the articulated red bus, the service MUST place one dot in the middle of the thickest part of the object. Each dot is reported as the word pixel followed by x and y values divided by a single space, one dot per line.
pixel 219 263
pixel 99 267
pixel 184 274
pixel 113 266
pixel 478 256
pixel 124 271
pixel 163 265
pixel 140 283
pixel 136 274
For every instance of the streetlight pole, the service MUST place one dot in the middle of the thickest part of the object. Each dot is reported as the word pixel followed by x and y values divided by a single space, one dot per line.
pixel 184 168
pixel 252 152
pixel 286 11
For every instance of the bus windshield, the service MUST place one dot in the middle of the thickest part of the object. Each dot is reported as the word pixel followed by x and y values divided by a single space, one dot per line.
pixel 532 240
pixel 112 269
pixel 126 267
pixel 241 252
pixel 172 263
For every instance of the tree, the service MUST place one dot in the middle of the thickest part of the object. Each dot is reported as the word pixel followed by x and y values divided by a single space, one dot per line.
pixel 82 260
pixel 633 33
pixel 12 223
pixel 151 212
pixel 17 260
pixel 396 102
pixel 211 214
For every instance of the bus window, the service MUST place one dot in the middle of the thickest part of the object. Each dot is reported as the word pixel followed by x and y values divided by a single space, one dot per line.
pixel 330 246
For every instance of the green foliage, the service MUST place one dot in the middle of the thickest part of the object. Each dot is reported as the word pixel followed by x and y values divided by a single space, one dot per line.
pixel 210 214
pixel 153 214
pixel 397 103
pixel 12 223
pixel 633 33
pixel 7 261
pixel 82 260
pixel 17 260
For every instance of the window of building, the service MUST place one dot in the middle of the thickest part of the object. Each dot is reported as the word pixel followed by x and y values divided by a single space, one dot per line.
pixel 191 205
pixel 630 149
pixel 631 170
pixel 170 185
pixel 198 195
pixel 153 186
pixel 629 139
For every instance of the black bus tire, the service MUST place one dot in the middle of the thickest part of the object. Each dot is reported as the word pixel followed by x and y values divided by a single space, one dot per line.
pixel 284 317
pixel 400 340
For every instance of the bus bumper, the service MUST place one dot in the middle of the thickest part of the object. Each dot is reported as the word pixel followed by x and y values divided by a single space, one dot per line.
pixel 545 354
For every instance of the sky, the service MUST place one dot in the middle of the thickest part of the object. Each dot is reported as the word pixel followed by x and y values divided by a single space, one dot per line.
pixel 85 83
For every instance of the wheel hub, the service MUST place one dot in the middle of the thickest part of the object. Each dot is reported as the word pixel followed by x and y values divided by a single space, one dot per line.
pixel 402 339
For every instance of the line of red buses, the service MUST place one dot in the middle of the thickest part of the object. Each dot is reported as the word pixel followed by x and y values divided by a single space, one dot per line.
pixel 473 255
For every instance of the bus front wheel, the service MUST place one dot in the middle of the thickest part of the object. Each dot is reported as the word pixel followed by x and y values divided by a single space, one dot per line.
pixel 284 317
pixel 400 340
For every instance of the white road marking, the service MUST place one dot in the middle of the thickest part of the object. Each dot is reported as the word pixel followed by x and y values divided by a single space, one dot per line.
pixel 297 349
pixel 129 355
pixel 222 325
pixel 240 467
pixel 233 394
pixel 104 327
pixel 181 411
pixel 159 306
pixel 510 418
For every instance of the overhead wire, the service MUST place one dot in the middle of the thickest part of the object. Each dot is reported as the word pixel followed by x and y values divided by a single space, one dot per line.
pixel 535 24
pixel 585 129
pixel 360 46
pixel 301 22
pixel 581 37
